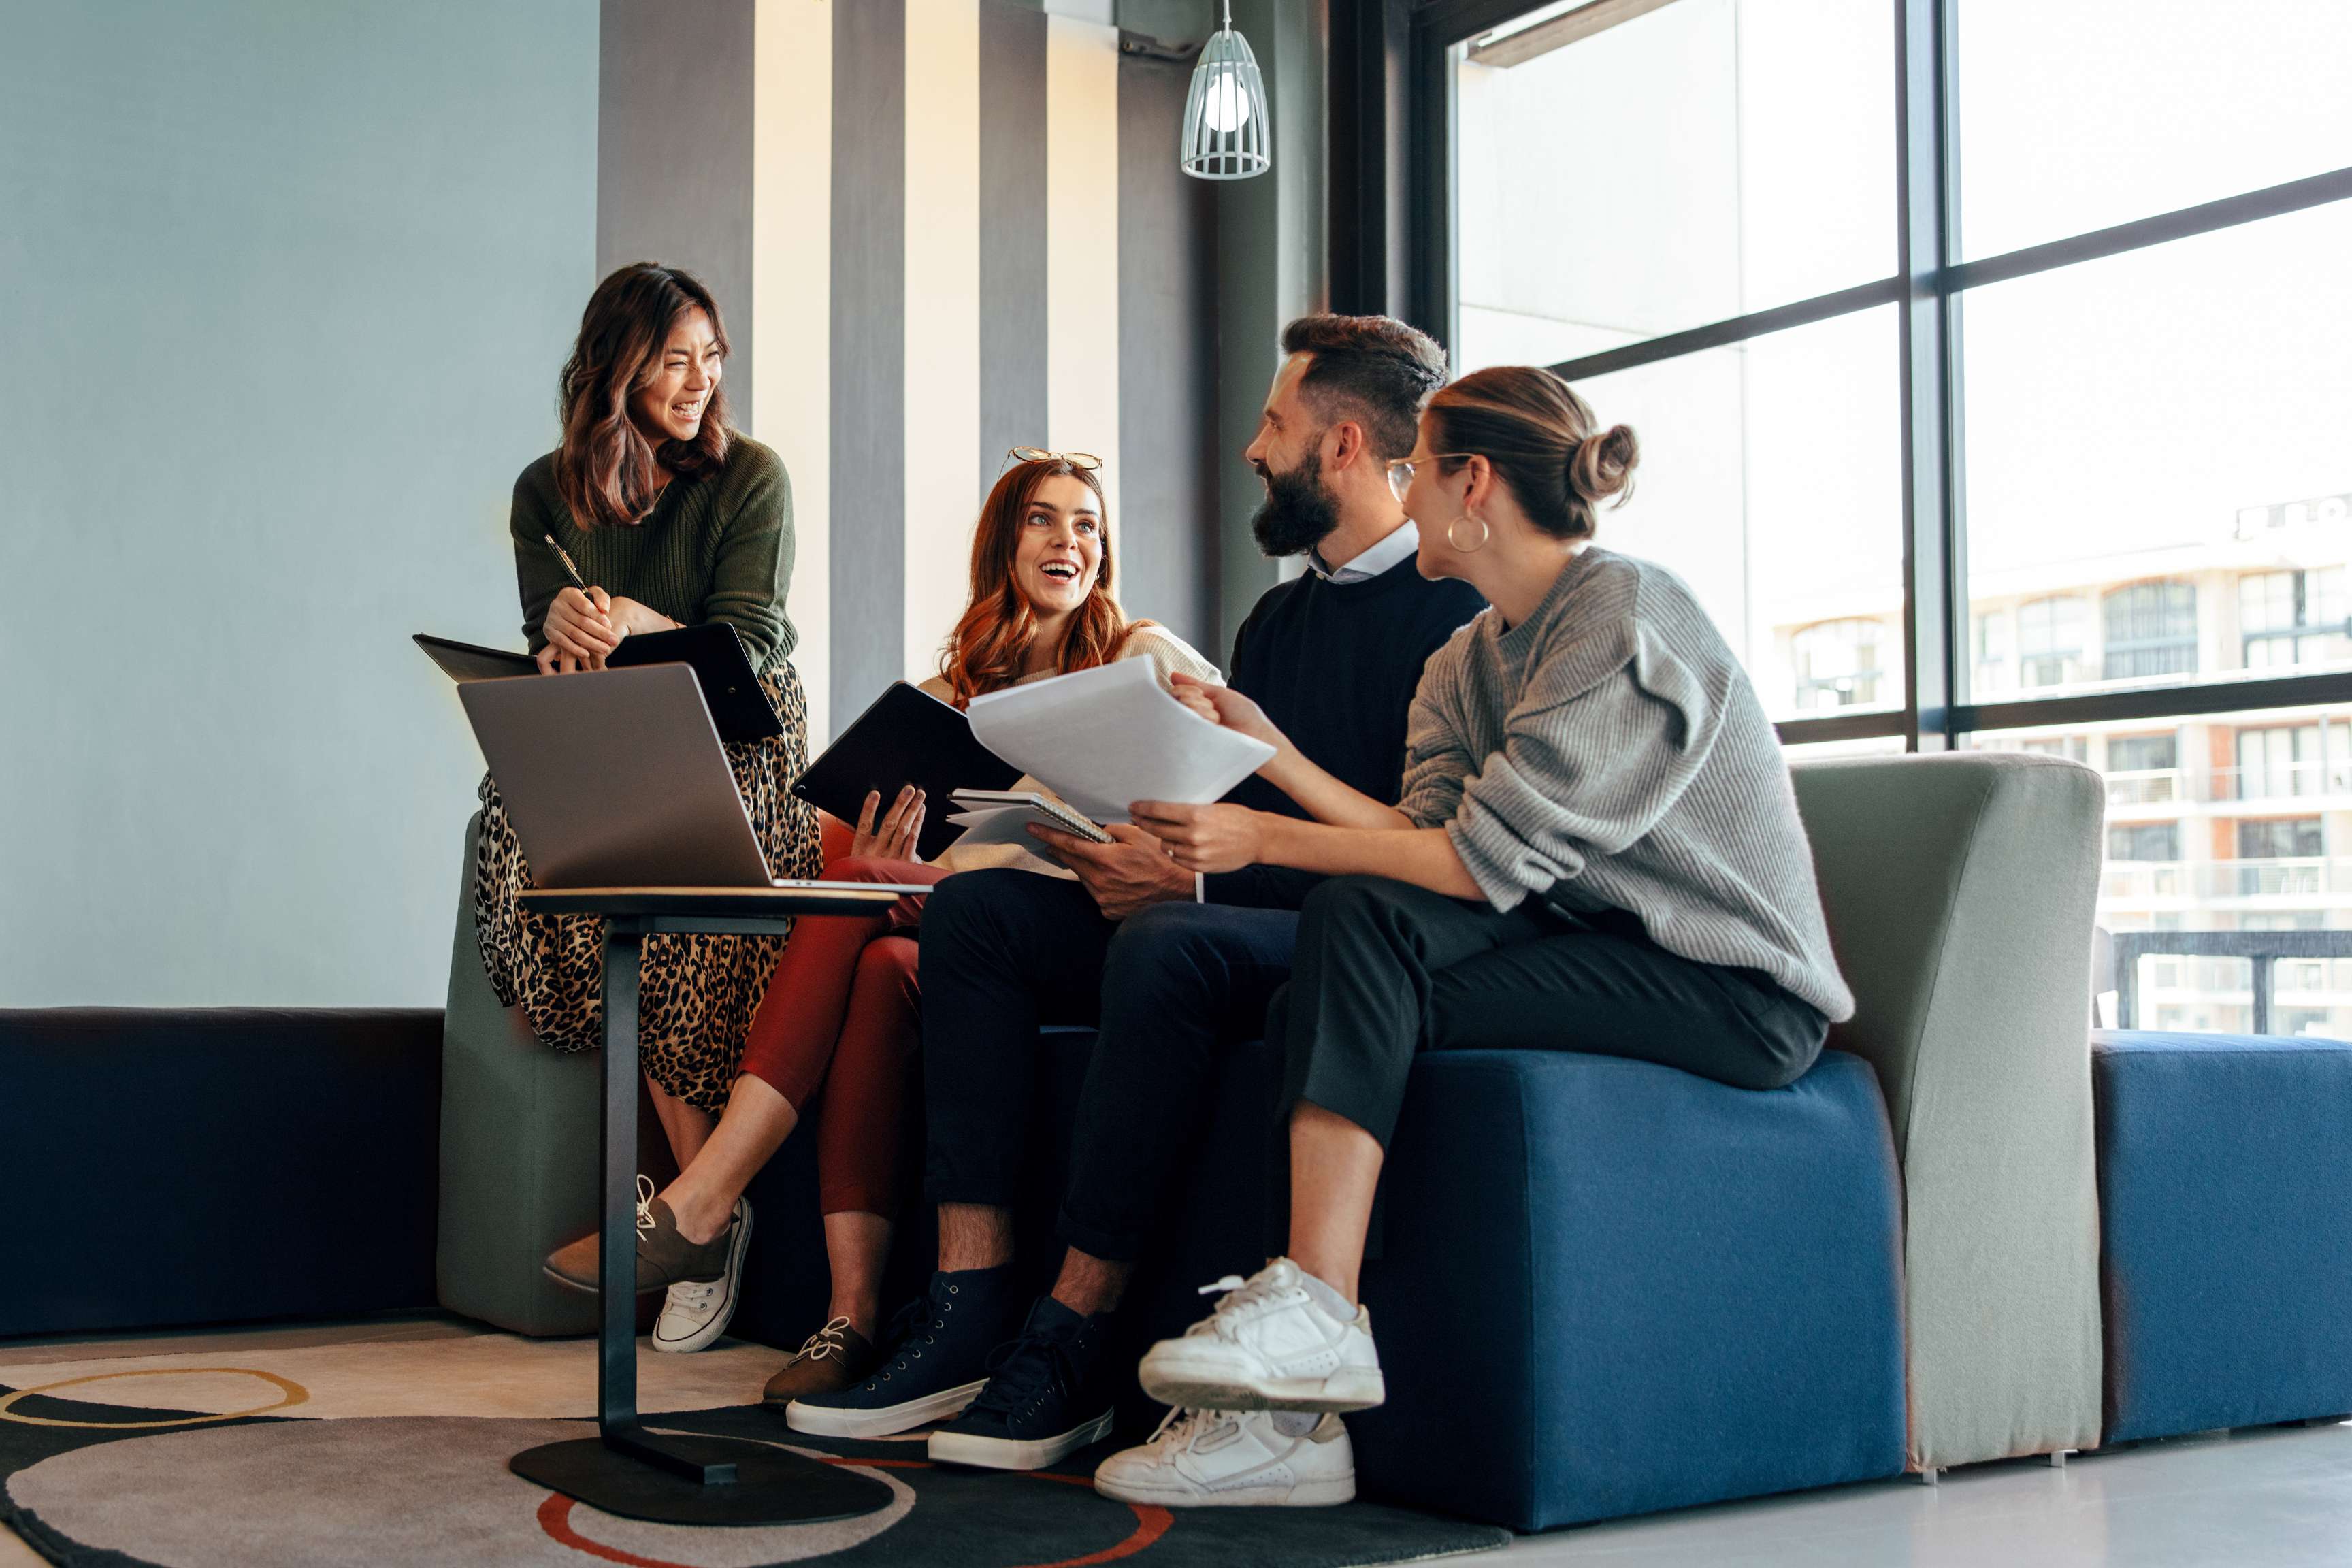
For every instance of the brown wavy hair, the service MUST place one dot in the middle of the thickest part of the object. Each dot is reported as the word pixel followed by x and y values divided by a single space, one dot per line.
pixel 606 466
pixel 990 644
pixel 1540 436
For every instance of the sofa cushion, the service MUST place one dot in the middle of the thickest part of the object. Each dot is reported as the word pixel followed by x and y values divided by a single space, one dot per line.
pixel 223 1163
pixel 1609 1287
pixel 2225 1186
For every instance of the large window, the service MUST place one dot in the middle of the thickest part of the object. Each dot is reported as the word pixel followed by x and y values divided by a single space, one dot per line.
pixel 2011 411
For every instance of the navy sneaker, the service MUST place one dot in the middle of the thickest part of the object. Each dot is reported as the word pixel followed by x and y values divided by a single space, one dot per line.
pixel 934 1360
pixel 1045 1396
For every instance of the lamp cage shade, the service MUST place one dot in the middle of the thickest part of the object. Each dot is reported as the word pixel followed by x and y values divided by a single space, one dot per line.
pixel 1227 134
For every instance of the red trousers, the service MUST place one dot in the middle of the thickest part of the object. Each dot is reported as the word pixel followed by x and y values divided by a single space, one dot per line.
pixel 841 1021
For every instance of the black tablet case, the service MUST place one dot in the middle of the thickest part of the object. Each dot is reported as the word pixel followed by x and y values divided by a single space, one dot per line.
pixel 905 737
pixel 739 709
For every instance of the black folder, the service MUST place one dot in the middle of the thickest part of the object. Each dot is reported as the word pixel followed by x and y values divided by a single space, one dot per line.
pixel 739 709
pixel 905 737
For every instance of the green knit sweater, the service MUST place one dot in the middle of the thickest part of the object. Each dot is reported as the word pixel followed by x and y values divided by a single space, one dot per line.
pixel 717 548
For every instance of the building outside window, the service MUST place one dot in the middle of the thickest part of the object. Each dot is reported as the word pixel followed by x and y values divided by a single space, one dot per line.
pixel 2144 841
pixel 2073 748
pixel 2280 760
pixel 1995 647
pixel 2294 837
pixel 2150 630
pixel 2143 768
pixel 2293 617
pixel 2050 641
pixel 1836 664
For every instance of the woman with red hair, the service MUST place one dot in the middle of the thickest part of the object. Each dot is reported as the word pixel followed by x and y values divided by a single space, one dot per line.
pixel 839 1016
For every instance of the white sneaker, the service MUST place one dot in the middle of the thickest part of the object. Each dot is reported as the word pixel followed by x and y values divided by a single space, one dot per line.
pixel 1273 1344
pixel 694 1316
pixel 1228 1459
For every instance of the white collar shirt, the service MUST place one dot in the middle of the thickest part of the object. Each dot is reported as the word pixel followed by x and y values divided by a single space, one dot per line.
pixel 1398 546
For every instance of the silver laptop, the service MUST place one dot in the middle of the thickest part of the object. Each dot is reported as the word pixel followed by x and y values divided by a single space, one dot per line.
pixel 615 778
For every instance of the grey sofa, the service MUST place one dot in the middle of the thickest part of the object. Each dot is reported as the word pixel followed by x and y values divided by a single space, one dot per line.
pixel 1959 892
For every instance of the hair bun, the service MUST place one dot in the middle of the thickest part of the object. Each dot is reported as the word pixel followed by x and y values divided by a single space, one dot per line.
pixel 1601 467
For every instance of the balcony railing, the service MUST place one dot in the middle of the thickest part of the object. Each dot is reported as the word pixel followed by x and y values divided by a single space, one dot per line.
pixel 2307 781
pixel 2301 877
pixel 2287 781
pixel 2148 786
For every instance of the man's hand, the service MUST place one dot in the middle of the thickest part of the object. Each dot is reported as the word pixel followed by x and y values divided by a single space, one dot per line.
pixel 1123 877
pixel 1206 838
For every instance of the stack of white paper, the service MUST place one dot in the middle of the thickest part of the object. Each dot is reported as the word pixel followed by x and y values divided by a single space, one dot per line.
pixel 1107 737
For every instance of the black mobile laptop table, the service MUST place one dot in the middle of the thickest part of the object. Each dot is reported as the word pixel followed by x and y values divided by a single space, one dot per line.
pixel 625 1469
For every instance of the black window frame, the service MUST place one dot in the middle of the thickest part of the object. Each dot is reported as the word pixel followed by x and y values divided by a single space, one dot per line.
pixel 1928 288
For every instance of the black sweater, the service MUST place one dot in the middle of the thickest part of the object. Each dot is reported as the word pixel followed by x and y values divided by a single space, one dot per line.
pixel 1335 667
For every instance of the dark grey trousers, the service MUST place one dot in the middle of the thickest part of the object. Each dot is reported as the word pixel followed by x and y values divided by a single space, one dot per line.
pixel 1384 970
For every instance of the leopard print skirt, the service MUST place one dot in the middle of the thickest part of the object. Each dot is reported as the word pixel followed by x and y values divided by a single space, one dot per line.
pixel 696 993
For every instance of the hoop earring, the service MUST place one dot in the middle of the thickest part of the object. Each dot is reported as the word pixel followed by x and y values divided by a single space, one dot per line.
pixel 1454 536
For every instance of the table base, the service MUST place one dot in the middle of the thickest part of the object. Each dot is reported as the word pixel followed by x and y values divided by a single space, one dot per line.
pixel 675 1479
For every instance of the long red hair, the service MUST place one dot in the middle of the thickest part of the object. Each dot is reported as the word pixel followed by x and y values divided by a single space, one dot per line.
pixel 992 642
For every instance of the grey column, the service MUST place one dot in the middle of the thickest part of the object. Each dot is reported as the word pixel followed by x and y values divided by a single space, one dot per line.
pixel 674 154
pixel 869 350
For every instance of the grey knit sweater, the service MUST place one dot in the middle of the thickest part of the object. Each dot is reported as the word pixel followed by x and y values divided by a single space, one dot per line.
pixel 1608 752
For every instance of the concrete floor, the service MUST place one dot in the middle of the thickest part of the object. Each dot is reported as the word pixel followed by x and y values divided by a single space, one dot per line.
pixel 2279 1498
pixel 2271 1498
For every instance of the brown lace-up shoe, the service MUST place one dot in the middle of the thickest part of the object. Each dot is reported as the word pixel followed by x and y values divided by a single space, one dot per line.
pixel 832 1358
pixel 664 1256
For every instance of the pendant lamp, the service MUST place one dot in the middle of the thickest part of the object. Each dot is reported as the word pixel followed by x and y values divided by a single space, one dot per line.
pixel 1227 135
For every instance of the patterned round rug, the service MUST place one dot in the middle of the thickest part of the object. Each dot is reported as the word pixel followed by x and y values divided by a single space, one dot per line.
pixel 251 1483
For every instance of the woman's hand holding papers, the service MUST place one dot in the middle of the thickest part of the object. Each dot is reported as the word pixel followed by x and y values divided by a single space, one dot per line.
pixel 1221 705
pixel 1350 833
pixel 899 831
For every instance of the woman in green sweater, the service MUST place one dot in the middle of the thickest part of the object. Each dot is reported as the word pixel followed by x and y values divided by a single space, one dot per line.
pixel 674 520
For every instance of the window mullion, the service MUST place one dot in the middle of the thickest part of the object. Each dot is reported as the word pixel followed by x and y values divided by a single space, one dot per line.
pixel 1930 542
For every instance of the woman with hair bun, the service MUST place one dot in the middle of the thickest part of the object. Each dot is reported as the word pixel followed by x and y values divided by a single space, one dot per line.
pixel 1597 849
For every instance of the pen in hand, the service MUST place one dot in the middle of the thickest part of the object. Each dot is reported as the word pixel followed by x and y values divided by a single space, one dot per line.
pixel 572 571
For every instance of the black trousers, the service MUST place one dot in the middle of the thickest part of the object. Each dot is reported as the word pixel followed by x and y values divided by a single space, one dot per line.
pixel 1006 951
pixel 1385 970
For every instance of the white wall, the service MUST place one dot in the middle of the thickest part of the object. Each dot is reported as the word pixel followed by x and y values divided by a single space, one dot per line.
pixel 286 289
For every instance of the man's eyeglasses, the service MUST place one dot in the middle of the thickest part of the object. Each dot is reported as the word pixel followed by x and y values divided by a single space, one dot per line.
pixel 1086 460
pixel 1402 470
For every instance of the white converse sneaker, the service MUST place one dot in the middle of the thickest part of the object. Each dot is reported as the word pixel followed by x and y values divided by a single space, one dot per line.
pixel 1229 1458
pixel 693 1316
pixel 1277 1342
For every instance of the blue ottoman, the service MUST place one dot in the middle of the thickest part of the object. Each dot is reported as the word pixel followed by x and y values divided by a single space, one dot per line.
pixel 1609 1287
pixel 2225 1217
